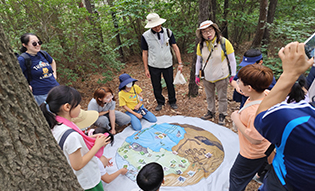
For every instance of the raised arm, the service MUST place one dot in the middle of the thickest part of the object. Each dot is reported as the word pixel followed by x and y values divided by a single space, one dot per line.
pixel 294 63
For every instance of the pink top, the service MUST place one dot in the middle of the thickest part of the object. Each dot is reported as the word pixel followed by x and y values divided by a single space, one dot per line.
pixel 89 141
pixel 247 149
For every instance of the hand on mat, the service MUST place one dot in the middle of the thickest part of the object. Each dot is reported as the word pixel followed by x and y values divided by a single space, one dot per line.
pixel 123 171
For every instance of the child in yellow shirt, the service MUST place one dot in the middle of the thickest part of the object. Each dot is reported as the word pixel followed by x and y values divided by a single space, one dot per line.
pixel 130 98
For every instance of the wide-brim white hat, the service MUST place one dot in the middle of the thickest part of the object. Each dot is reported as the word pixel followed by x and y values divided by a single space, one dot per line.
pixel 154 20
pixel 204 25
pixel 85 118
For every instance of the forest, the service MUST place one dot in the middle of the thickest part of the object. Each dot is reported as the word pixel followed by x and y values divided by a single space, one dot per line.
pixel 94 41
pixel 88 36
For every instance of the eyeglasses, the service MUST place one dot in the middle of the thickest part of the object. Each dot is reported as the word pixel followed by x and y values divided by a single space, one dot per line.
pixel 109 98
pixel 35 43
pixel 208 31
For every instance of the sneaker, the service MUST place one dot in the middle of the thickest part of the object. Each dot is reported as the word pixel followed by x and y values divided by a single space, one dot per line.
pixel 173 105
pixel 158 107
pixel 221 119
pixel 209 115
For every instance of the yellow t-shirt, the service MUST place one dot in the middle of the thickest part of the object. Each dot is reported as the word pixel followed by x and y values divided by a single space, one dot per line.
pixel 130 99
pixel 228 46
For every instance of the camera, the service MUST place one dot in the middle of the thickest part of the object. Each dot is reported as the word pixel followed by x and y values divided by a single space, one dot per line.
pixel 201 74
pixel 310 46
pixel 142 111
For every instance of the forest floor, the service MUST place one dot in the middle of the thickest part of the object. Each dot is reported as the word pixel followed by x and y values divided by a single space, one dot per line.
pixel 187 106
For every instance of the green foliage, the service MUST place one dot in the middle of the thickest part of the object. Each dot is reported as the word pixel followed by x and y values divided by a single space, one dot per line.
pixel 83 43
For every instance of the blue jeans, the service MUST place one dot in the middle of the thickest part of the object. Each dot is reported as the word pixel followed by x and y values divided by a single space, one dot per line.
pixel 103 122
pixel 135 121
pixel 40 98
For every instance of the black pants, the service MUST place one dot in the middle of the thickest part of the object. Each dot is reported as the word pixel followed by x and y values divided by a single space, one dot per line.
pixel 243 171
pixel 157 87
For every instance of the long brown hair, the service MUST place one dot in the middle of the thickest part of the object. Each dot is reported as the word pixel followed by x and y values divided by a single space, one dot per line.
pixel 217 34
pixel 100 93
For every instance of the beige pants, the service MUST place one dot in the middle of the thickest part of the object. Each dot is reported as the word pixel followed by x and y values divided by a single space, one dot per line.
pixel 221 87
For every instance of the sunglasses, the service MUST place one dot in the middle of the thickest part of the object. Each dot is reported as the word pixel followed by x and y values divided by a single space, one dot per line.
pixel 35 43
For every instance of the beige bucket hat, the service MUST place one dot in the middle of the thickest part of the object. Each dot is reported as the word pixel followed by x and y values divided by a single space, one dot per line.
pixel 154 20
pixel 204 25
pixel 85 118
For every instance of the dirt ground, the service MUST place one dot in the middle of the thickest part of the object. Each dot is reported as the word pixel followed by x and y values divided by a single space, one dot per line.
pixel 187 106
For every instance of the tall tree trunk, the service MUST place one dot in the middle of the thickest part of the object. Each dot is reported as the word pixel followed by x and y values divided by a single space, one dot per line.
pixel 114 19
pixel 213 10
pixel 224 27
pixel 94 21
pixel 30 158
pixel 270 18
pixel 204 14
pixel 261 24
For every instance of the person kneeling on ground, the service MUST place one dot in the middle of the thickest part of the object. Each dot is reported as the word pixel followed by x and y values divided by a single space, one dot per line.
pixel 130 98
pixel 103 102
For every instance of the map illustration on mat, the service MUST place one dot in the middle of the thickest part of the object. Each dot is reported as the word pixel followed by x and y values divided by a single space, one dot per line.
pixel 187 153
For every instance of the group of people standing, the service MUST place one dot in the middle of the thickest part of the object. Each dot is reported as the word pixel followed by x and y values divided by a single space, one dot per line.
pixel 263 119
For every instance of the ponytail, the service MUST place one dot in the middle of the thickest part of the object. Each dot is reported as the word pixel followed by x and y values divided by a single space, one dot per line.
pixel 50 117
pixel 57 97
pixel 297 93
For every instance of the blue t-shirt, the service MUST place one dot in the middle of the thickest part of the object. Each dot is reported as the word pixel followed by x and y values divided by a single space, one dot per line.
pixel 291 127
pixel 42 73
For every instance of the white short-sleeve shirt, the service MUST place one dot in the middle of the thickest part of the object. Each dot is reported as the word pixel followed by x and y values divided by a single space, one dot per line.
pixel 88 176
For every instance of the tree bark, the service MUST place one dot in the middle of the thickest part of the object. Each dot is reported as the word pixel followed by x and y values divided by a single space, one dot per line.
pixel 93 21
pixel 213 10
pixel 270 18
pixel 224 27
pixel 261 24
pixel 204 14
pixel 121 52
pixel 29 156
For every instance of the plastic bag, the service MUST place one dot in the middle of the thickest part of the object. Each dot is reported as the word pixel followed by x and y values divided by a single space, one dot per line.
pixel 179 78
